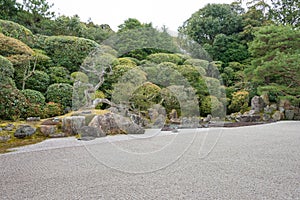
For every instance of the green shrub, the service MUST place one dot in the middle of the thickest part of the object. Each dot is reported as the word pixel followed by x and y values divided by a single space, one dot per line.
pixel 79 76
pixel 34 97
pixel 38 81
pixel 239 101
pixel 10 46
pixel 60 93
pixel 52 110
pixel 33 110
pixel 211 105
pixel 43 61
pixel 59 75
pixel 40 41
pixel 100 95
pixel 6 67
pixel 146 96
pixel 12 102
pixel 69 51
pixel 165 57
pixel 17 31
pixel 197 62
pixel 125 61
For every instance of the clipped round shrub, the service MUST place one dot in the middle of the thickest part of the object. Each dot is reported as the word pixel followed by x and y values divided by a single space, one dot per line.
pixel 34 97
pixel 59 75
pixel 239 101
pixel 12 102
pixel 165 57
pixel 6 67
pixel 60 93
pixel 146 96
pixel 79 76
pixel 69 51
pixel 52 110
pixel 211 105
pixel 38 81
pixel 17 31
pixel 10 46
pixel 125 61
pixel 43 61
pixel 197 62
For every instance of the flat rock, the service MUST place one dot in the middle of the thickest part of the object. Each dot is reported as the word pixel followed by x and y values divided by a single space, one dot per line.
pixel 24 130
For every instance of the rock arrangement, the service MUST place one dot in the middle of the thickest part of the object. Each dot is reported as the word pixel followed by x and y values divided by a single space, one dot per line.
pixel 263 111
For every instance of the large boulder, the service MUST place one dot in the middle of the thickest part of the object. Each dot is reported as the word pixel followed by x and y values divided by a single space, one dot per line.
pixel 90 133
pixel 257 104
pixel 72 125
pixel 24 130
pixel 112 124
pixel 289 114
pixel 277 116
pixel 48 130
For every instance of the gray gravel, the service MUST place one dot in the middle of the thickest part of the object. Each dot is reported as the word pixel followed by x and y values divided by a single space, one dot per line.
pixel 257 162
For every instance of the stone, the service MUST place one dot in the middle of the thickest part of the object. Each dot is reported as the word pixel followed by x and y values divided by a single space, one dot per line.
pixel 285 104
pixel 71 125
pixel 173 114
pixel 4 138
pixel 289 114
pixel 266 117
pixel 207 119
pixel 9 127
pixel 277 116
pixel 33 119
pixel 265 98
pixel 269 109
pixel 53 121
pixel 47 130
pixel 57 135
pixel 257 104
pixel 1 129
pixel 159 121
pixel 90 133
pixel 24 130
pixel 112 124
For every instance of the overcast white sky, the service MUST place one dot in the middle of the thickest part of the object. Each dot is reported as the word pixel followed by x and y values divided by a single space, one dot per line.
pixel 171 13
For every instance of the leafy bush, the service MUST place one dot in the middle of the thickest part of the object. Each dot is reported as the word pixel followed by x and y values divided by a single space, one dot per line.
pixel 52 110
pixel 197 62
pixel 165 57
pixel 34 97
pixel 60 93
pixel 6 67
pixel 59 75
pixel 211 105
pixel 12 102
pixel 43 61
pixel 100 95
pixel 125 61
pixel 239 101
pixel 14 30
pixel 146 96
pixel 10 46
pixel 79 76
pixel 68 51
pixel 38 81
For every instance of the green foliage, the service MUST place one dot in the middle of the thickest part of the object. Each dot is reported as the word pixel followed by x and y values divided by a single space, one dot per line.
pixel 239 101
pixel 52 110
pixel 60 93
pixel 17 31
pixel 276 60
pixel 9 9
pixel 125 61
pixel 146 96
pixel 34 97
pixel 39 81
pixel 100 95
pixel 79 76
pixel 204 25
pixel 59 75
pixel 13 104
pixel 6 67
pixel 165 57
pixel 69 51
pixel 10 46
pixel 285 12
pixel 43 61
pixel 211 105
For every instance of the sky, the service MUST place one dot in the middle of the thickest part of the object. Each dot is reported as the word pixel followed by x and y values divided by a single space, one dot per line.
pixel 171 13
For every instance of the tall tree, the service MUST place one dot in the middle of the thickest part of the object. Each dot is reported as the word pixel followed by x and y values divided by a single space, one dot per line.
pixel 213 19
pixel 286 12
pixel 9 9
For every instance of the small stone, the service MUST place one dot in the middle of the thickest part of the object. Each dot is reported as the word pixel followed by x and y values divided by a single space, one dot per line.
pixel 289 114
pixel 257 104
pixel 277 116
pixel 24 131
pixel 266 117
pixel 33 119
pixel 48 129
pixel 4 138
